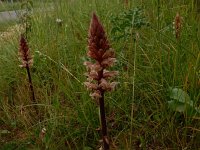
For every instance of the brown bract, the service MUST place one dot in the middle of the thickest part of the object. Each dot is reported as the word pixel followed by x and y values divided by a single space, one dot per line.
pixel 99 49
pixel 97 41
pixel 24 53
pixel 178 24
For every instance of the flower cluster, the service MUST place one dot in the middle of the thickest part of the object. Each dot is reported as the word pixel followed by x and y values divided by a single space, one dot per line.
pixel 24 53
pixel 177 25
pixel 104 56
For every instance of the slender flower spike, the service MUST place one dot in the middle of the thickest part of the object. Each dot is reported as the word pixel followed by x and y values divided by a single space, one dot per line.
pixel 24 53
pixel 99 49
pixel 177 25
pixel 27 62
pixel 98 74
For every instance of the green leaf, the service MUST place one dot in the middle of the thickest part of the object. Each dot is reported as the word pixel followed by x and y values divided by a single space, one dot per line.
pixel 177 106
pixel 181 102
pixel 180 95
pixel 183 108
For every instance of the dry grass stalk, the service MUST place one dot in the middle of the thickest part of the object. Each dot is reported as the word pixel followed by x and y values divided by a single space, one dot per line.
pixel 126 3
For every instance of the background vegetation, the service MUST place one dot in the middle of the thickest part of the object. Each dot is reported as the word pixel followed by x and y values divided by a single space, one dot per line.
pixel 13 5
pixel 153 65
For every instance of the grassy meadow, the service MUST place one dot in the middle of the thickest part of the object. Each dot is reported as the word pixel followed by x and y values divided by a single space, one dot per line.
pixel 7 5
pixel 155 106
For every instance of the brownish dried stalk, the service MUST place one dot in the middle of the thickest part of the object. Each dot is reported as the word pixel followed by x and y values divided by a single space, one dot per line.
pixel 126 3
pixel 98 75
pixel 27 62
pixel 178 25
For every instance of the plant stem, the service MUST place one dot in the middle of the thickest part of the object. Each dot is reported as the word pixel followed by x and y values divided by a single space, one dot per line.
pixel 31 88
pixel 103 123
pixel 133 95
pixel 159 41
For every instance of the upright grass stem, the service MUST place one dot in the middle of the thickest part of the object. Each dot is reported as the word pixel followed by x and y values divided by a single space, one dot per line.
pixel 133 82
pixel 159 41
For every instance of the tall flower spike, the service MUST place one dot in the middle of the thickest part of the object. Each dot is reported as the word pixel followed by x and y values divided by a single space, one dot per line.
pixel 100 50
pixel 97 42
pixel 97 74
pixel 27 61
pixel 177 25
pixel 24 53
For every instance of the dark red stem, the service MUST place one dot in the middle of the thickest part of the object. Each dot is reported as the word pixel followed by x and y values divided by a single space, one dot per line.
pixel 103 122
pixel 31 88
pixel 103 116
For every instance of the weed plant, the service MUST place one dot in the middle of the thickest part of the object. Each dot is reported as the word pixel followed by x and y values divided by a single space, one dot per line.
pixel 151 61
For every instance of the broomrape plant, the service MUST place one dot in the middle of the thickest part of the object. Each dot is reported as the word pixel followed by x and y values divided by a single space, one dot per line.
pixel 177 25
pixel 97 74
pixel 26 62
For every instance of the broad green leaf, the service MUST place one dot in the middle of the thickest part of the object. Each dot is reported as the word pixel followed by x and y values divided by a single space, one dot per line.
pixel 180 95
pixel 183 108
pixel 181 102
pixel 177 106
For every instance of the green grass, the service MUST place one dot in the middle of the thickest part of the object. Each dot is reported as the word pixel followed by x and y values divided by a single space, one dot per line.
pixel 137 112
pixel 5 25
pixel 8 6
